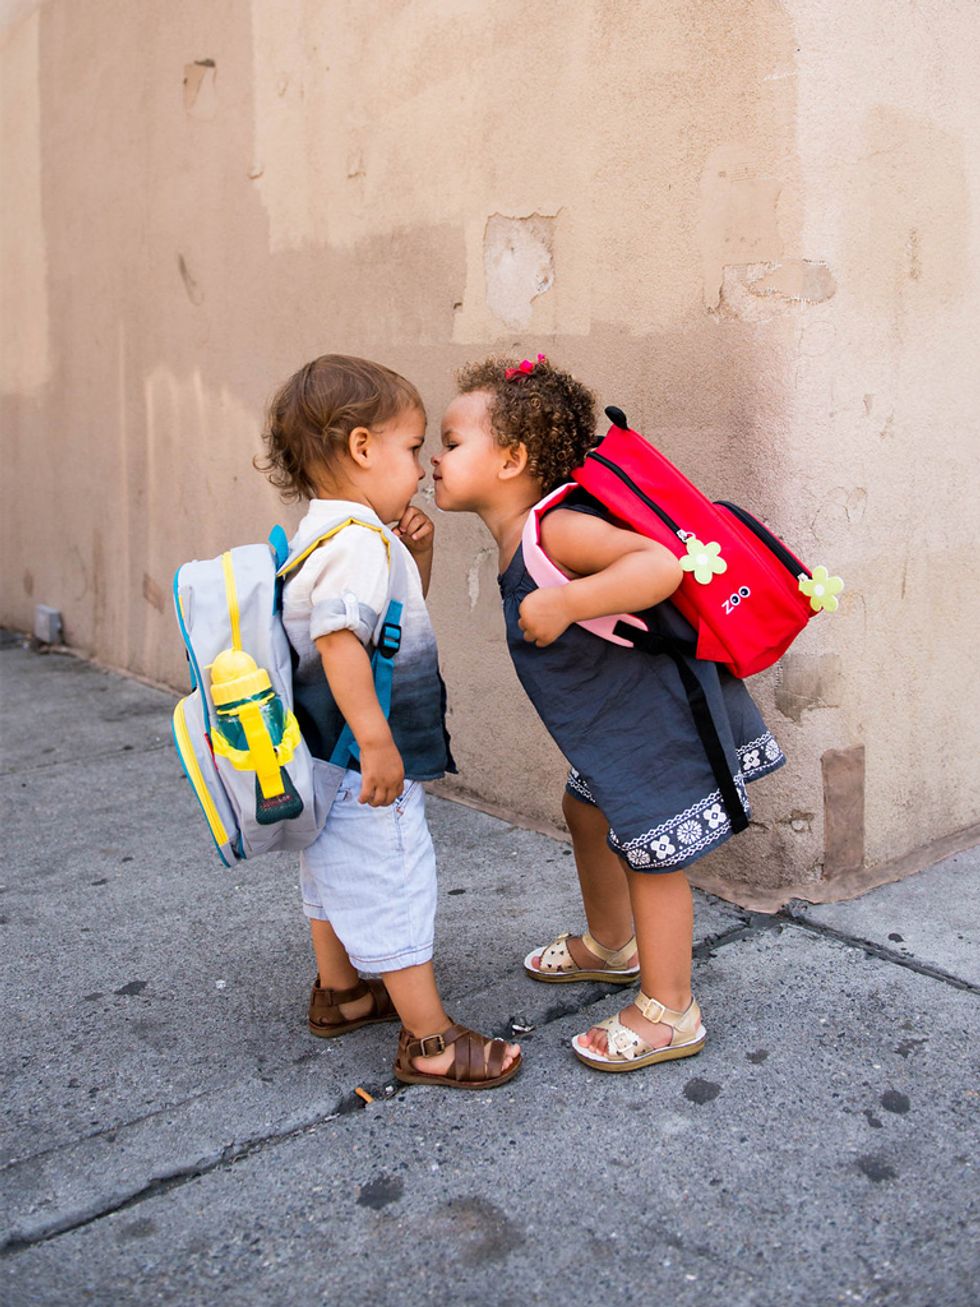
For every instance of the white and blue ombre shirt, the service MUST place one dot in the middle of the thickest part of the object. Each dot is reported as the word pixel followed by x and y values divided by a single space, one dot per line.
pixel 345 585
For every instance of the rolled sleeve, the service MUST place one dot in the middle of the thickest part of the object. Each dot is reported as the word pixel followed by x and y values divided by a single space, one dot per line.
pixel 343 613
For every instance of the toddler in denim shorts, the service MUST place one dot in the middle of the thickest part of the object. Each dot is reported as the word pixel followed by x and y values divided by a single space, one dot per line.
pixel 344 434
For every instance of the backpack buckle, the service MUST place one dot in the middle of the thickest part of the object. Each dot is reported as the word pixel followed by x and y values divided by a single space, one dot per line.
pixel 390 641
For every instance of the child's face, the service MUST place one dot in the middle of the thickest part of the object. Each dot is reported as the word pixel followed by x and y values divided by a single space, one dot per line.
pixel 399 469
pixel 465 471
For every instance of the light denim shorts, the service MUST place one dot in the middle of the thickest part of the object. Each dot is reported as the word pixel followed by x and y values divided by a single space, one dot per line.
pixel 372 874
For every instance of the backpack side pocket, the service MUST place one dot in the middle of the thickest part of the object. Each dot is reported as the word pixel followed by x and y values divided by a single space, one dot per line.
pixel 199 768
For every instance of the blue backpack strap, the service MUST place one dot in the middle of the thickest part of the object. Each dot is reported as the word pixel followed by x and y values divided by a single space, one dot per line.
pixel 280 545
pixel 382 668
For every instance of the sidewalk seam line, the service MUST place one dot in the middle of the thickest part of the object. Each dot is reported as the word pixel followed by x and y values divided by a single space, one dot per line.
pixel 754 923
pixel 229 1155
pixel 879 951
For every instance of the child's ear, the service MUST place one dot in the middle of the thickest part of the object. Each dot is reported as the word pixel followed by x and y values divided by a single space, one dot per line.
pixel 515 461
pixel 359 445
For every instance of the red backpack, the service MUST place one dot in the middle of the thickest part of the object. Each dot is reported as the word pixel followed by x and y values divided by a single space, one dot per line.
pixel 744 593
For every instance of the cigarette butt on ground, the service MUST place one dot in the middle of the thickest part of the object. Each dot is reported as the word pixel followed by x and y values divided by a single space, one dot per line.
pixel 363 1093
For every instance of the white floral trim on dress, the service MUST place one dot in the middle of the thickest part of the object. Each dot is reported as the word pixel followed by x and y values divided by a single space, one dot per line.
pixel 576 785
pixel 760 756
pixel 682 838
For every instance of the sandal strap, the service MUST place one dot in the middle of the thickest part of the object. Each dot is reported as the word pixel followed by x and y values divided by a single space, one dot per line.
pixel 430 1045
pixel 684 1024
pixel 616 958
pixel 325 1003
pixel 334 996
pixel 475 1057
pixel 621 1040
pixel 556 957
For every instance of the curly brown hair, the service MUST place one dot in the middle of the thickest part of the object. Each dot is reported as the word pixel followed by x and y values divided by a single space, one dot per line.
pixel 546 410
pixel 311 417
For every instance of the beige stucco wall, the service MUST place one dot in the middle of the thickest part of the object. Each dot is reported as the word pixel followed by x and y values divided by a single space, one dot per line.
pixel 752 225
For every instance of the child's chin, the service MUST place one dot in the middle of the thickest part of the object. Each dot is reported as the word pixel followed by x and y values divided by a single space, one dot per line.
pixel 442 499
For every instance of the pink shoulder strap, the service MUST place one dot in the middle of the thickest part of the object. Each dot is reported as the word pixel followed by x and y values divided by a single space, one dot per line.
pixel 546 575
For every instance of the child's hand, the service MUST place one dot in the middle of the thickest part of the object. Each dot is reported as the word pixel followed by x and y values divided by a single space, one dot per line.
pixel 544 616
pixel 382 774
pixel 416 531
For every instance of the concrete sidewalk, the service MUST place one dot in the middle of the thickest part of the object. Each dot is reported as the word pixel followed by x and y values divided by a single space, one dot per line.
pixel 173 1135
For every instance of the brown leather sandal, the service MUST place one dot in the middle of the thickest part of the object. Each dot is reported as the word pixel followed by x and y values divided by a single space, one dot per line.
pixel 472 1068
pixel 326 1019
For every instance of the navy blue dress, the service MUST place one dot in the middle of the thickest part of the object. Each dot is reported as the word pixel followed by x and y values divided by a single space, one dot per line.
pixel 623 720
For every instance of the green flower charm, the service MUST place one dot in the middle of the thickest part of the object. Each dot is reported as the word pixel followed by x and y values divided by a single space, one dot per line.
pixel 821 589
pixel 704 561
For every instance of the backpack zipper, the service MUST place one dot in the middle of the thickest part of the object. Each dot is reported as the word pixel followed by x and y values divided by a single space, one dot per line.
pixel 192 770
pixel 793 565
pixel 196 680
pixel 628 481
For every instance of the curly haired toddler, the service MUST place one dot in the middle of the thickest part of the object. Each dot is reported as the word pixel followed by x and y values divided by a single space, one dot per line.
pixel 641 800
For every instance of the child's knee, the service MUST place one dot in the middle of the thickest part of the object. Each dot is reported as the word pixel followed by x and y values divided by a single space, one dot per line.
pixel 583 819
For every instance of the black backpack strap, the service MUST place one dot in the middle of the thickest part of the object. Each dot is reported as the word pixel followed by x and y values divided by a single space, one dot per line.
pixel 649 642
pixel 708 732
pixel 679 651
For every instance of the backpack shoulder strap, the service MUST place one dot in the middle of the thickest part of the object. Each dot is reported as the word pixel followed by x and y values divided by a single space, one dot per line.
pixel 310 540
pixel 545 574
pixel 279 544
pixel 387 633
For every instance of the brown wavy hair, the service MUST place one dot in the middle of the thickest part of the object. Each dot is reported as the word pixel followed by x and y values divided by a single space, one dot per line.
pixel 311 417
pixel 546 410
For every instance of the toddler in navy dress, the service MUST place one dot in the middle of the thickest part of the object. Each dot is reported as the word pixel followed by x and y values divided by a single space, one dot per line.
pixel 641 800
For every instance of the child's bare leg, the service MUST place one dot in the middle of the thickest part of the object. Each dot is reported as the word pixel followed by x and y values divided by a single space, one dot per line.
pixel 416 998
pixel 605 893
pixel 335 970
pixel 663 910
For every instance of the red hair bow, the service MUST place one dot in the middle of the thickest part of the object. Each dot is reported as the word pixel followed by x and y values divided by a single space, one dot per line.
pixel 523 369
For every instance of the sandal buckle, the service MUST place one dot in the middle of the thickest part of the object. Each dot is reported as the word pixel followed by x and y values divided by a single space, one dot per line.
pixel 431 1052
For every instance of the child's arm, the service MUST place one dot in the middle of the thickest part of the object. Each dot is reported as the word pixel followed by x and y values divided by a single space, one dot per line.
pixel 614 571
pixel 347 668
pixel 417 532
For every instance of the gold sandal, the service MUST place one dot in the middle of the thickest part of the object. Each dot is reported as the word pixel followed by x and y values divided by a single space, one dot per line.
pixel 558 967
pixel 629 1052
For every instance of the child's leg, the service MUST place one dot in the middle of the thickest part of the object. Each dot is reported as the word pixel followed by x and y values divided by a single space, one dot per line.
pixel 335 969
pixel 416 998
pixel 332 962
pixel 663 909
pixel 605 893
pixel 374 870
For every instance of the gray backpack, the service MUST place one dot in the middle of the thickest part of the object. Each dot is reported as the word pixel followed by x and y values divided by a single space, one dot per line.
pixel 238 740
